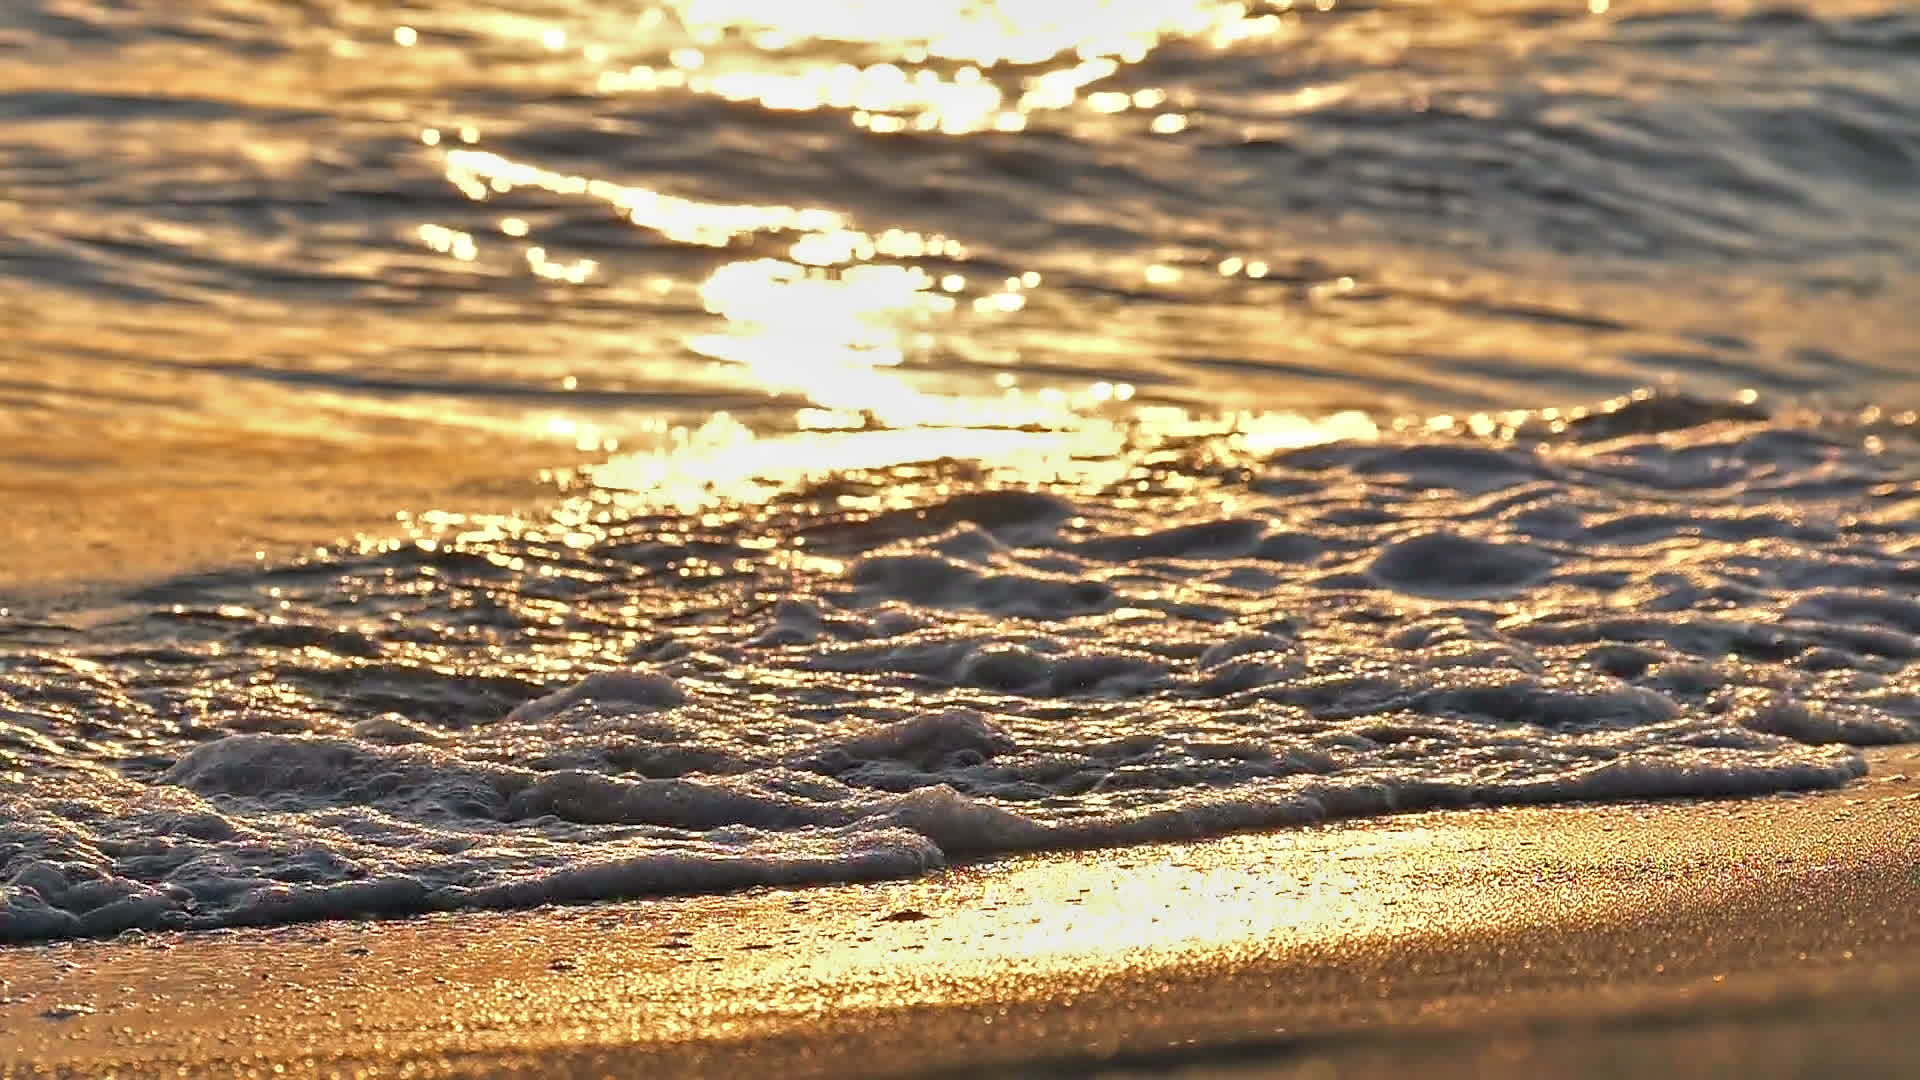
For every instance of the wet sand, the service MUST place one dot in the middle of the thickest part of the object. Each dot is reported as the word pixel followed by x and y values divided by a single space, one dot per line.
pixel 1770 937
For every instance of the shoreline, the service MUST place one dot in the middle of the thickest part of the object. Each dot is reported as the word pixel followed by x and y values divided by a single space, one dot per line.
pixel 1357 939
pixel 178 504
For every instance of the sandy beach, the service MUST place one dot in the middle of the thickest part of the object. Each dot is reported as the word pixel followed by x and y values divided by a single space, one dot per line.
pixel 1161 537
pixel 1770 937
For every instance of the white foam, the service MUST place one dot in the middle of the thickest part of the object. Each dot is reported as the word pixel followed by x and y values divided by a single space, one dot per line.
pixel 1715 610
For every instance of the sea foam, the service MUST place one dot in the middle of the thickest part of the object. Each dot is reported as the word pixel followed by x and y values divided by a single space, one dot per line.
pixel 1659 602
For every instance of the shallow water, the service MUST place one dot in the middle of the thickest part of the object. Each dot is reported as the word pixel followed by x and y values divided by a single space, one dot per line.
pixel 1013 428
pixel 862 678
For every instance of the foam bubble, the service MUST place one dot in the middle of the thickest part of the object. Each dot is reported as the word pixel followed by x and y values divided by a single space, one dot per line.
pixel 1678 601
pixel 613 687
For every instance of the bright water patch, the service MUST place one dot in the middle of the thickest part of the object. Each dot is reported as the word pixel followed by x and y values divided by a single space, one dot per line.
pixel 326 214
pixel 873 676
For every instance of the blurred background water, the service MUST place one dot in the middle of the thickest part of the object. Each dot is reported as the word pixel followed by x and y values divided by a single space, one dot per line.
pixel 318 244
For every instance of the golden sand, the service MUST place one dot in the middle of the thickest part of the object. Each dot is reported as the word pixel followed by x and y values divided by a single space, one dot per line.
pixel 1757 932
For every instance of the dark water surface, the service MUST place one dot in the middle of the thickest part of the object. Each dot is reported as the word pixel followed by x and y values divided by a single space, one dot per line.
pixel 1006 426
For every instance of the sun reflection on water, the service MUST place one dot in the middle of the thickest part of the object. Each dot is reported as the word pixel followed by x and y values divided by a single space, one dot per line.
pixel 818 304
pixel 825 322
pixel 725 462
pixel 953 68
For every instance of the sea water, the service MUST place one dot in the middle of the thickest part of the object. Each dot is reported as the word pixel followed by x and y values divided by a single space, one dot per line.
pixel 1018 426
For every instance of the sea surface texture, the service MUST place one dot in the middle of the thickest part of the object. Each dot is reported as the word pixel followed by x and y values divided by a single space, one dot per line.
pixel 1006 426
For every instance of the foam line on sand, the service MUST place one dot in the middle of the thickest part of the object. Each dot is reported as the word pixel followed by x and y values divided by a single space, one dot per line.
pixel 1354 947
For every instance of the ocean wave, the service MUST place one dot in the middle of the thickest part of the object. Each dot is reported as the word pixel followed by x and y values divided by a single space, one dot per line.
pixel 1667 597
pixel 1376 203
